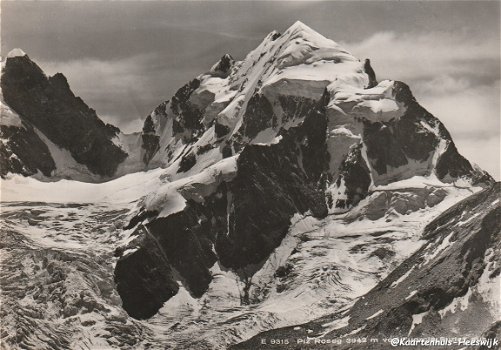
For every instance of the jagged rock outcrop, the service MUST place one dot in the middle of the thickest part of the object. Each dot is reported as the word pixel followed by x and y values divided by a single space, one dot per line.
pixel 47 104
pixel 222 68
pixel 370 72
pixel 150 141
pixel 22 152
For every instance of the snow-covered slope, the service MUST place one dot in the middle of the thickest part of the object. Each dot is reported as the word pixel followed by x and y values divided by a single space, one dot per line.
pixel 279 189
pixel 322 265
pixel 449 288
pixel 377 128
pixel 281 79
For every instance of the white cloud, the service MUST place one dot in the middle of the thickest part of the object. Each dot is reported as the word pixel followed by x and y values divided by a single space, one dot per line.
pixel 484 152
pixel 441 85
pixel 407 56
pixel 469 113
pixel 472 117
pixel 110 87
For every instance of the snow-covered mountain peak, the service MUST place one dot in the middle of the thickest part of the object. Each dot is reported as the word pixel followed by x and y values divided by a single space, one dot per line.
pixel 300 26
pixel 16 53
pixel 300 31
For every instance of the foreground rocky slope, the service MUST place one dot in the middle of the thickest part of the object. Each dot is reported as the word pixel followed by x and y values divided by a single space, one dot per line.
pixel 299 126
pixel 448 288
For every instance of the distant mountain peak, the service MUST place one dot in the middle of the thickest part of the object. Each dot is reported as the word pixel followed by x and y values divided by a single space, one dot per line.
pixel 301 32
pixel 223 66
pixel 300 27
pixel 16 53
pixel 48 106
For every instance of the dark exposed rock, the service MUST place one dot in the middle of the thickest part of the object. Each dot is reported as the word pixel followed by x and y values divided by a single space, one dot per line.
pixel 223 67
pixel 181 242
pixel 190 250
pixel 240 222
pixel 356 178
pixel 452 164
pixel 221 130
pixel 383 149
pixel 141 216
pixel 403 93
pixel 151 142
pixel 272 176
pixel 188 117
pixel 24 152
pixel 65 119
pixel 394 144
pixel 151 145
pixel 403 201
pixel 295 107
pixel 258 116
pixel 370 72
pixel 226 151
pixel 275 36
pixel 383 253
pixel 204 149
pixel 187 162
pixel 285 177
pixel 145 280
pixel 183 94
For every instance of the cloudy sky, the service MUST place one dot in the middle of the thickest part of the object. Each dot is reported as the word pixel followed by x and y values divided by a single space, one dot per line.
pixel 125 57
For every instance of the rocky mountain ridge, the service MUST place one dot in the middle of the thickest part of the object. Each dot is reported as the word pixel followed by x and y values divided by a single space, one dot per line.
pixel 43 111
pixel 278 190
pixel 298 126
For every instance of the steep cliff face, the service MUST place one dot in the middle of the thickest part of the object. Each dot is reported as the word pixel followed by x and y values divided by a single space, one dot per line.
pixel 223 223
pixel 150 141
pixel 307 130
pixel 22 151
pixel 47 104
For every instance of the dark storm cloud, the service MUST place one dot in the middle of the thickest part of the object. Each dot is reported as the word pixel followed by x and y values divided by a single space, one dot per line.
pixel 123 58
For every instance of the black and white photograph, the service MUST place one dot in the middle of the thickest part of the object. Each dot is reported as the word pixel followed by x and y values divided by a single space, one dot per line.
pixel 247 175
